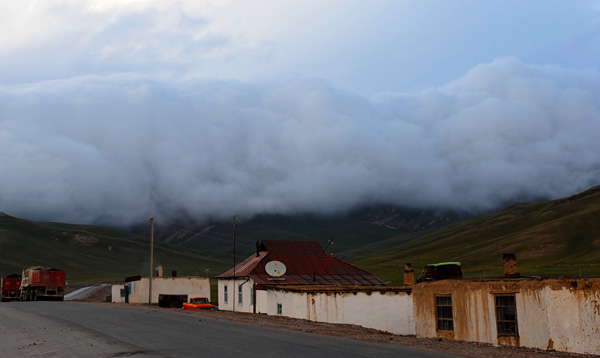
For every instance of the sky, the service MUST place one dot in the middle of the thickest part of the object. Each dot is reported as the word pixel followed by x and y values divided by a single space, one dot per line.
pixel 115 111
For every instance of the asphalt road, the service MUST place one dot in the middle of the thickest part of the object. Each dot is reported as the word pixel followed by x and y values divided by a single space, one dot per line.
pixel 69 329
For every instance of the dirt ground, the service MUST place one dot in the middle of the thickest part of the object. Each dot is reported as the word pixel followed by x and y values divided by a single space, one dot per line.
pixel 459 348
pixel 463 349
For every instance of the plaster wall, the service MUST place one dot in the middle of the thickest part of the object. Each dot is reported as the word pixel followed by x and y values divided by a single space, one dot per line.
pixel 116 293
pixel 191 286
pixel 387 311
pixel 262 304
pixel 233 297
pixel 574 317
pixel 556 314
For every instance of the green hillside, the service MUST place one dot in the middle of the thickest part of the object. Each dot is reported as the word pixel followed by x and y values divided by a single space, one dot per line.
pixel 94 253
pixel 552 238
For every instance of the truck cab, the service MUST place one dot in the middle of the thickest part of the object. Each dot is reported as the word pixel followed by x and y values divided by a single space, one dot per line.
pixel 441 271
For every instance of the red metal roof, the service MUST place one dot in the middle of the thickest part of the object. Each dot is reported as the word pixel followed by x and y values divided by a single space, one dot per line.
pixel 306 264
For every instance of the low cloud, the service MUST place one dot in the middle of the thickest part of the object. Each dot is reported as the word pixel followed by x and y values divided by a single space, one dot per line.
pixel 118 149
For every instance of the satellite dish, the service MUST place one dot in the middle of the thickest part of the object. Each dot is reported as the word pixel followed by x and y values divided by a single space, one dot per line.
pixel 275 268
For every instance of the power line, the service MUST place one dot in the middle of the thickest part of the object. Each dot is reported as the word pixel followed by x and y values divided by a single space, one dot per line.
pixel 203 234
pixel 212 235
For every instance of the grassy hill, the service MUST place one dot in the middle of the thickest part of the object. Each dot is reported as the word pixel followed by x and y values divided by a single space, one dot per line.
pixel 94 253
pixel 553 238
pixel 99 254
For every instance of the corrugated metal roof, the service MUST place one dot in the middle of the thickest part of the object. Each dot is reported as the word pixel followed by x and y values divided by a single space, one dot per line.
pixel 306 264
pixel 246 267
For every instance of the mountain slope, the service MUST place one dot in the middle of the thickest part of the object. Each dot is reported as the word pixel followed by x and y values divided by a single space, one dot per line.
pixel 558 238
pixel 553 238
pixel 352 234
pixel 94 253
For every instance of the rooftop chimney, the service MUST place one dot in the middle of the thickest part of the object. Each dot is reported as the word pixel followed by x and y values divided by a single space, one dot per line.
pixel 409 275
pixel 510 265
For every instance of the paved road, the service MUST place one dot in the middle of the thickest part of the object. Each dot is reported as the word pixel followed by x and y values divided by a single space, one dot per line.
pixel 69 329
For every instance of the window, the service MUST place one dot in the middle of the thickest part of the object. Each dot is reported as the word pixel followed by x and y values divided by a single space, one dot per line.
pixel 279 309
pixel 506 315
pixel 240 296
pixel 443 306
pixel 225 296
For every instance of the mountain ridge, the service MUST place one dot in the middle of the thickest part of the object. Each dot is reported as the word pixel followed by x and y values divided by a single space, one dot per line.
pixel 558 237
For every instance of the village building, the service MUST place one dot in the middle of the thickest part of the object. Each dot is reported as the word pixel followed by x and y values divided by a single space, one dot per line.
pixel 383 308
pixel 136 289
pixel 560 314
pixel 284 263
pixel 117 291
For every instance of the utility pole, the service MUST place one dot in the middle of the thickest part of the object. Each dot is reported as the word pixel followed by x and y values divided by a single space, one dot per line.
pixel 233 290
pixel 151 260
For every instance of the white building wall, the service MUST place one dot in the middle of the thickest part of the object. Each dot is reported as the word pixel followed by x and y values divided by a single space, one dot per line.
pixel 191 286
pixel 233 297
pixel 532 318
pixel 554 314
pixel 116 293
pixel 262 301
pixel 386 311
pixel 574 320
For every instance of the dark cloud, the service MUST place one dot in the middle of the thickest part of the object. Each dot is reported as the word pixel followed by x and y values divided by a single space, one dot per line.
pixel 120 148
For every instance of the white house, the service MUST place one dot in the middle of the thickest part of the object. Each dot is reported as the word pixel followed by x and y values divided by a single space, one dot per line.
pixel 387 309
pixel 560 314
pixel 118 293
pixel 136 291
pixel 285 263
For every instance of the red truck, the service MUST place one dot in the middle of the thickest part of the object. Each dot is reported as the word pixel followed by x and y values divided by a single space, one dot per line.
pixel 10 287
pixel 42 284
pixel 198 303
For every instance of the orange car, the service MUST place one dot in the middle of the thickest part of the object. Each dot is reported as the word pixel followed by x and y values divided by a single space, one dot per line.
pixel 198 303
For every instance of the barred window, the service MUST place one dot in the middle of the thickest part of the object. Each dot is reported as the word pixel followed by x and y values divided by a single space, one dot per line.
pixel 444 313
pixel 225 295
pixel 506 315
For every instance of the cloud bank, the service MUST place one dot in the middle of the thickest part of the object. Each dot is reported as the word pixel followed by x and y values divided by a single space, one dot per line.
pixel 120 148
